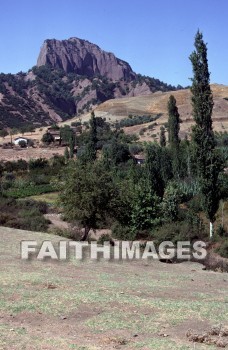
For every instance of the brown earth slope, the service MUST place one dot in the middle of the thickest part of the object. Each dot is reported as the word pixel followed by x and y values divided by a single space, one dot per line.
pixel 156 103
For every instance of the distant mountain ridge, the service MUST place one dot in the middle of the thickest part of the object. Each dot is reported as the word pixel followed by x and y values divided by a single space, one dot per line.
pixel 71 77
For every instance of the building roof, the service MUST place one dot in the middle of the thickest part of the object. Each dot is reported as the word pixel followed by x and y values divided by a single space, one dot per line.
pixel 20 138
pixel 139 156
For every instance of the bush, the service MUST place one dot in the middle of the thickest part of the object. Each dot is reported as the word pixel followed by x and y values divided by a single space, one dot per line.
pixel 67 233
pixel 221 232
pixel 136 120
pixel 195 204
pixel 105 238
pixel 29 213
pixel 29 191
pixel 22 144
pixel 37 223
pixel 42 207
pixel 5 218
pixel 47 138
pixel 223 249
pixel 122 232
pixel 39 179
pixel 135 148
pixel 25 215
pixel 187 230
pixel 39 163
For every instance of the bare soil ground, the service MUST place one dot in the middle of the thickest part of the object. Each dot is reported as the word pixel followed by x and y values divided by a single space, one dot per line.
pixel 29 153
pixel 104 305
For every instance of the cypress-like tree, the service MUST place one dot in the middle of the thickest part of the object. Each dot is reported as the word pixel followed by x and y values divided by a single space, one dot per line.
pixel 162 137
pixel 72 144
pixel 66 154
pixel 153 170
pixel 173 132
pixel 90 151
pixel 208 162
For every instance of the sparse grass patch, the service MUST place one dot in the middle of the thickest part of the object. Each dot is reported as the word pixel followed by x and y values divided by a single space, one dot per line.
pixel 89 301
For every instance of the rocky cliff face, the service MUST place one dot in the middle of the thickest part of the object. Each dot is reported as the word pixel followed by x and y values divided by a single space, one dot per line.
pixel 49 92
pixel 83 58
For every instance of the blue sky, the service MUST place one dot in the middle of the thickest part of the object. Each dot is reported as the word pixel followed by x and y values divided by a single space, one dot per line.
pixel 155 38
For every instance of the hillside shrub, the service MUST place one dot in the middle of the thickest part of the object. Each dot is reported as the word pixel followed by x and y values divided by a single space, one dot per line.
pixel 223 248
pixel 25 215
pixel 29 191
pixel 136 120
pixel 122 232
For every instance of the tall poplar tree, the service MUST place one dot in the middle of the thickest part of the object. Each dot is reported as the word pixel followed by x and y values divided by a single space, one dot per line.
pixel 208 162
pixel 162 137
pixel 90 151
pixel 173 132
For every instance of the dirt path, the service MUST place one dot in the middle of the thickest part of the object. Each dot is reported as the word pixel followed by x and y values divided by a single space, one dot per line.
pixel 57 222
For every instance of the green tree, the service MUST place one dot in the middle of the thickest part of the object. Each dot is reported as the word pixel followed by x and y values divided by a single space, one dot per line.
pixel 66 154
pixel 162 137
pixel 116 152
pixel 47 138
pixel 71 145
pixel 207 159
pixel 3 133
pixel 22 143
pixel 157 168
pixel 173 132
pixel 146 208
pixel 67 135
pixel 90 153
pixel 13 132
pixel 88 195
pixel 170 203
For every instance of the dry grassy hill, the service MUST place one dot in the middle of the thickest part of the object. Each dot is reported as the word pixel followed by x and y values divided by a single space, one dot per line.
pixel 152 104
pixel 156 103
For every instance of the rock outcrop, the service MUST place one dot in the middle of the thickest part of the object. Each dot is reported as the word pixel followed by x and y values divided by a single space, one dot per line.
pixel 83 58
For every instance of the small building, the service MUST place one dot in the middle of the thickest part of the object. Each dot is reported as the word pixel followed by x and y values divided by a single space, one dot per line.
pixel 55 133
pixel 139 159
pixel 19 139
pixel 56 136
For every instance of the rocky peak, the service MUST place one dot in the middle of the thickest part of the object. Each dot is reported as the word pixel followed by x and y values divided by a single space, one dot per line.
pixel 83 58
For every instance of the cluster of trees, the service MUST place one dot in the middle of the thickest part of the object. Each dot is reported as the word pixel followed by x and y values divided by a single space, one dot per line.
pixel 19 179
pixel 136 120
pixel 105 186
pixel 154 84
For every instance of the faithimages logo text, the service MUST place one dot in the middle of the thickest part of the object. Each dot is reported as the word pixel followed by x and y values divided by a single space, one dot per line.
pixel 120 250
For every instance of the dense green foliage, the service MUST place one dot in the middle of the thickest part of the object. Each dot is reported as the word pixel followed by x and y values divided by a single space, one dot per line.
pixel 136 120
pixel 208 160
pixel 28 191
pixel 162 137
pixel 47 138
pixel 173 134
pixel 25 215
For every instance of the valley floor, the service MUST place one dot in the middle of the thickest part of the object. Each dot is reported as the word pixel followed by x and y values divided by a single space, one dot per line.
pixel 30 153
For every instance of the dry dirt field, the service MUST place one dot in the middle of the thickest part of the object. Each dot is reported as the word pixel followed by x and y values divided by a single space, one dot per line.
pixel 29 153
pixel 104 305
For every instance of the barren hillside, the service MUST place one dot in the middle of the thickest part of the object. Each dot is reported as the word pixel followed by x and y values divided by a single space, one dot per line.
pixel 156 103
